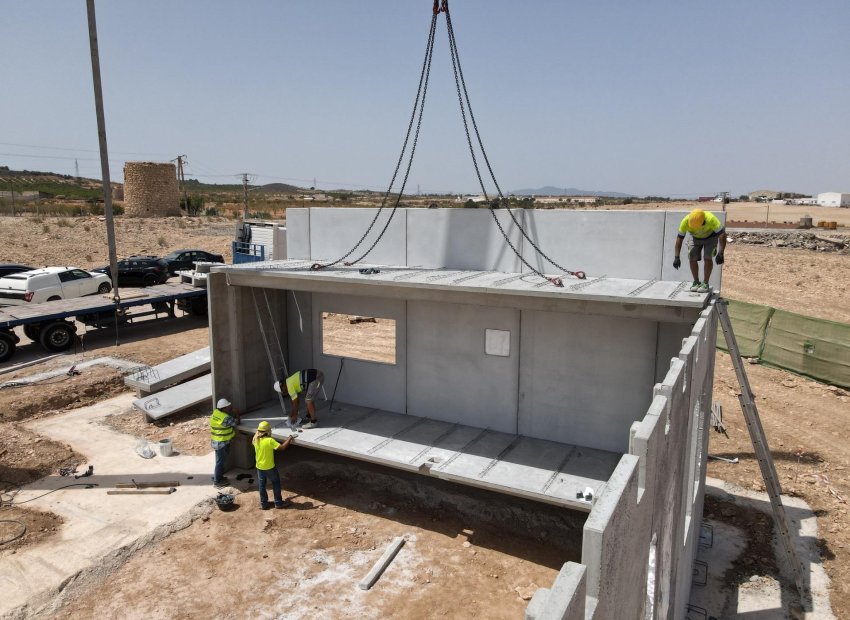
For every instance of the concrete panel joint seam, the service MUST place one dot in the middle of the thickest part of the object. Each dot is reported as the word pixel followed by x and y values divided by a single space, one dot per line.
pixel 463 450
pixel 642 287
pixel 563 464
pixel 425 451
pixel 581 285
pixel 388 440
pixel 500 456
pixel 343 427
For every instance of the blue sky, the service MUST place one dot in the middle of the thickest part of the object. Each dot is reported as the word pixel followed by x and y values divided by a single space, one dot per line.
pixel 649 97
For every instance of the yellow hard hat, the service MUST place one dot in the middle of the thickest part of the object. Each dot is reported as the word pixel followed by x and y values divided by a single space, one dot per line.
pixel 264 426
pixel 696 218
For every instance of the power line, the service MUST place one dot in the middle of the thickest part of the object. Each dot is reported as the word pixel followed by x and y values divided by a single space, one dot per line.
pixel 81 150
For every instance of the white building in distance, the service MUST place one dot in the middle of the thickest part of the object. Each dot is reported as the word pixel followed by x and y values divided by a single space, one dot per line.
pixel 834 199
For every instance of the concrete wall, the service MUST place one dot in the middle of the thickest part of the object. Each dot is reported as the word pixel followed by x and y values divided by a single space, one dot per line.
pixel 584 379
pixel 450 377
pixel 366 383
pixel 618 244
pixel 653 502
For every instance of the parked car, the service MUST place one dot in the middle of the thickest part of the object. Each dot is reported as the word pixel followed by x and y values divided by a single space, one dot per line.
pixel 143 270
pixel 185 259
pixel 7 269
pixel 49 284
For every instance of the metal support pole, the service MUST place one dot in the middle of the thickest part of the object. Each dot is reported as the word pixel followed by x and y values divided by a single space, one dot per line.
pixel 104 158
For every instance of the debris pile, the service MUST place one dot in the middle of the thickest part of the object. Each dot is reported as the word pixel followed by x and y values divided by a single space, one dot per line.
pixel 795 239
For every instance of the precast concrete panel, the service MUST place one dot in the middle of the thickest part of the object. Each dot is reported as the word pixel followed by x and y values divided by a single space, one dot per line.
pixel 299 311
pixel 365 383
pixel 297 234
pixel 333 232
pixel 462 239
pixel 449 375
pixel 622 244
pixel 671 228
pixel 670 337
pixel 584 379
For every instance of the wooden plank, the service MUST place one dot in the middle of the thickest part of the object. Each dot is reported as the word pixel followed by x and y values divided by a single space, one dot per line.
pixel 381 565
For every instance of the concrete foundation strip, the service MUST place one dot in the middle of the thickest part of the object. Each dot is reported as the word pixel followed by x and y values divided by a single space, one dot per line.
pixel 425 451
pixel 642 287
pixel 500 456
pixel 463 449
pixel 586 283
pixel 555 473
pixel 388 440
pixel 381 565
pixel 677 290
pixel 343 427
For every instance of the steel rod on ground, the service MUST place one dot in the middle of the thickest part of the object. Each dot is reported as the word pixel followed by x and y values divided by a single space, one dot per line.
pixel 381 565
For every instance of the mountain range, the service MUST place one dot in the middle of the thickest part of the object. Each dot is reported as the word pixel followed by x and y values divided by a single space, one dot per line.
pixel 550 190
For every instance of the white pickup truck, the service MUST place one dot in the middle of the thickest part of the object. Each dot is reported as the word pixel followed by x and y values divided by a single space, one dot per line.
pixel 50 283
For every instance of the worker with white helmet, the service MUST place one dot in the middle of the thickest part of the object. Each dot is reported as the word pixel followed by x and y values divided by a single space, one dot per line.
pixel 708 233
pixel 264 448
pixel 222 432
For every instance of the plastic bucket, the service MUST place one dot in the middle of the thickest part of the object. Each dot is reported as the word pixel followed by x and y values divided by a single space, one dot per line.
pixel 165 447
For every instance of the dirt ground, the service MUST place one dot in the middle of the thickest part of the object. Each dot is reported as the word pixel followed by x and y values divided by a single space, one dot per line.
pixel 44 241
pixel 306 561
pixel 312 549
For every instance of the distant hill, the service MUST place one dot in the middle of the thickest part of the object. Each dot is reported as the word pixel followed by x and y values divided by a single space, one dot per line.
pixel 549 190
pixel 279 188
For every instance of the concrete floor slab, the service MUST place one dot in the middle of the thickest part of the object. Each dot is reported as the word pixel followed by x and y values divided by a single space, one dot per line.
pixel 298 276
pixel 537 469
pixel 176 399
pixel 96 525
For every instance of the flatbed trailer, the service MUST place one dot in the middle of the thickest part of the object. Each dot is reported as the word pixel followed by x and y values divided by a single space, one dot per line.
pixel 51 323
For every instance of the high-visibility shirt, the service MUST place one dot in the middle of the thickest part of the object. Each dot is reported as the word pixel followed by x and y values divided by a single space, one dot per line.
pixel 297 382
pixel 710 227
pixel 218 430
pixel 264 448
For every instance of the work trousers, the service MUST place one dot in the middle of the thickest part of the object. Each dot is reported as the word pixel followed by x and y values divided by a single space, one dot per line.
pixel 220 460
pixel 272 476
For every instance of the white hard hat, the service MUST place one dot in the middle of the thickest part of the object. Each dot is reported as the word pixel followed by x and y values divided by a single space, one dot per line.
pixel 222 403
pixel 277 386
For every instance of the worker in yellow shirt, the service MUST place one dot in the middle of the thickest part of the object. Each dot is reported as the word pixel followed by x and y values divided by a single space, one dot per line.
pixel 310 381
pixel 264 448
pixel 707 232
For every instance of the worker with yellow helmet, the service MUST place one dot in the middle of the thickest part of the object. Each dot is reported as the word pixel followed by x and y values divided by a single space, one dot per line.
pixel 709 241
pixel 264 448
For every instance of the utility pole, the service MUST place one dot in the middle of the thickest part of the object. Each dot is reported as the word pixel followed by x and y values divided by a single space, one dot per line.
pixel 104 156
pixel 181 180
pixel 245 195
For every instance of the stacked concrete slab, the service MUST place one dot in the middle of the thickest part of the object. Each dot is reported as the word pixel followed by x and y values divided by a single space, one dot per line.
pixel 577 365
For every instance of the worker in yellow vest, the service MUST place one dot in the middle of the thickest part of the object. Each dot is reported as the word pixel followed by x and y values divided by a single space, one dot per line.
pixel 309 381
pixel 264 448
pixel 222 432
pixel 708 233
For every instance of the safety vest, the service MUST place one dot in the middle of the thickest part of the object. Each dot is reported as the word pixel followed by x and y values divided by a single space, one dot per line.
pixel 218 431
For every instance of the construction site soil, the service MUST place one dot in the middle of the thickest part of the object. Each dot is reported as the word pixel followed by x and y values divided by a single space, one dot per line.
pixel 319 549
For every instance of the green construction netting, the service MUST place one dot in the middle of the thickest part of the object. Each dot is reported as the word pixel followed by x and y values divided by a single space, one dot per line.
pixel 813 347
pixel 749 322
pixel 816 348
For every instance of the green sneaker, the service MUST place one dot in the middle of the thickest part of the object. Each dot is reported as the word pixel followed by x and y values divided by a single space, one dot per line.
pixel 703 288
pixel 695 286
